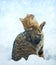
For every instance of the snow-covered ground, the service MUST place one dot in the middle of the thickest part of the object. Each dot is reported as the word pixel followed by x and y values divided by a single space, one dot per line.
pixel 10 27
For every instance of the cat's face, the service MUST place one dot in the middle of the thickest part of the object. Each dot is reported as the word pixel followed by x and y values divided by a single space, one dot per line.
pixel 36 34
pixel 27 21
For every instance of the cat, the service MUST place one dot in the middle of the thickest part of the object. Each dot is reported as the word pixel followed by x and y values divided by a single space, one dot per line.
pixel 31 41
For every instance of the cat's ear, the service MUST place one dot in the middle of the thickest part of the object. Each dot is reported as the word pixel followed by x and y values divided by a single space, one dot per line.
pixel 42 24
pixel 21 19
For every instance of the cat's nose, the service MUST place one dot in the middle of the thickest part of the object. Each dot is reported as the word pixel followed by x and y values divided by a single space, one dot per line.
pixel 37 39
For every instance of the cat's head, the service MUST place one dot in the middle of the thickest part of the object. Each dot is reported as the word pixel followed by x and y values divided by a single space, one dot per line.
pixel 27 21
pixel 36 34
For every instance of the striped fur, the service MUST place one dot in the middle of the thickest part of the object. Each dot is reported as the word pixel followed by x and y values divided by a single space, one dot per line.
pixel 29 42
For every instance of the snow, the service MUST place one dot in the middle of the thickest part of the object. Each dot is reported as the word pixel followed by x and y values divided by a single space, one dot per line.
pixel 10 27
